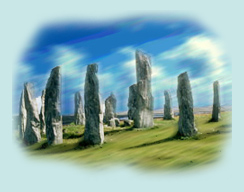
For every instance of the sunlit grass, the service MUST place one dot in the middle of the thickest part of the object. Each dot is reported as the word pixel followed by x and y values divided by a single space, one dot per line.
pixel 154 148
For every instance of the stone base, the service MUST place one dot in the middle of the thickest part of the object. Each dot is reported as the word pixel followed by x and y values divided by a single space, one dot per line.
pixel 144 119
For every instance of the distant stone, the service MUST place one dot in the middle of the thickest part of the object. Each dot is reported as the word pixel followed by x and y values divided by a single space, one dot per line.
pixel 127 122
pixel 79 115
pixel 52 114
pixel 32 130
pixel 94 133
pixel 216 103
pixel 22 115
pixel 186 124
pixel 110 108
pixel 168 112
pixel 132 101
pixel 112 123
pixel 42 114
pixel 117 122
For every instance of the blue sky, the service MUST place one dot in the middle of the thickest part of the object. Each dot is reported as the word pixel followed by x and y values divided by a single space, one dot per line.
pixel 174 45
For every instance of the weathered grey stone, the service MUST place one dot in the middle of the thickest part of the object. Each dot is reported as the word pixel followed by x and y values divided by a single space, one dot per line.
pixel 42 114
pixel 143 116
pixel 168 112
pixel 94 133
pixel 186 124
pixel 52 114
pixel 32 130
pixel 22 115
pixel 110 108
pixel 132 101
pixel 143 67
pixel 127 122
pixel 79 115
pixel 112 123
pixel 216 103
pixel 144 112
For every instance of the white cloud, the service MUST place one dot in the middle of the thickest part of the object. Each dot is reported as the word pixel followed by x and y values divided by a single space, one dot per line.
pixel 73 68
pixel 23 68
pixel 199 46
pixel 106 79
pixel 157 72
pixel 130 67
pixel 69 60
pixel 22 73
pixel 129 50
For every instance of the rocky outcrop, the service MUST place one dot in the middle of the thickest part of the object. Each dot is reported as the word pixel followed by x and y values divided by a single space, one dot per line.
pixel 42 114
pixel 52 114
pixel 143 116
pixel 79 115
pixel 32 130
pixel 132 101
pixel 216 103
pixel 168 113
pixel 186 124
pixel 94 133
pixel 110 108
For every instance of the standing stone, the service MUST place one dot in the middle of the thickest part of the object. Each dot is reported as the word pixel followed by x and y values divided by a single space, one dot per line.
pixel 79 115
pixel 32 130
pixel 112 123
pixel 216 103
pixel 42 114
pixel 110 108
pixel 94 133
pixel 52 114
pixel 168 113
pixel 22 115
pixel 186 124
pixel 143 116
pixel 132 101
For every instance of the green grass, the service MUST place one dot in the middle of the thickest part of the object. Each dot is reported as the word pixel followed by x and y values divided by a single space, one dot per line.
pixel 156 148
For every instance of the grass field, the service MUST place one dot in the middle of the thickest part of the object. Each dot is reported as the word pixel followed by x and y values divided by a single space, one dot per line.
pixel 154 148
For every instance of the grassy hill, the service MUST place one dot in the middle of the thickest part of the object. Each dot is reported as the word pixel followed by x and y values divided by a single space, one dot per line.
pixel 156 148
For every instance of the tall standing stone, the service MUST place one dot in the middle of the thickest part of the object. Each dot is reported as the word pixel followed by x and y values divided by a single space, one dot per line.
pixel 22 115
pixel 132 101
pixel 42 113
pixel 168 112
pixel 143 116
pixel 186 124
pixel 79 115
pixel 216 103
pixel 53 116
pixel 32 130
pixel 110 108
pixel 94 133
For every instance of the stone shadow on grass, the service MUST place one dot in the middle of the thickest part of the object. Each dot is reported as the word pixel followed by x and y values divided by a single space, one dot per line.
pixel 72 136
pixel 117 131
pixel 176 136
pixel 83 145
